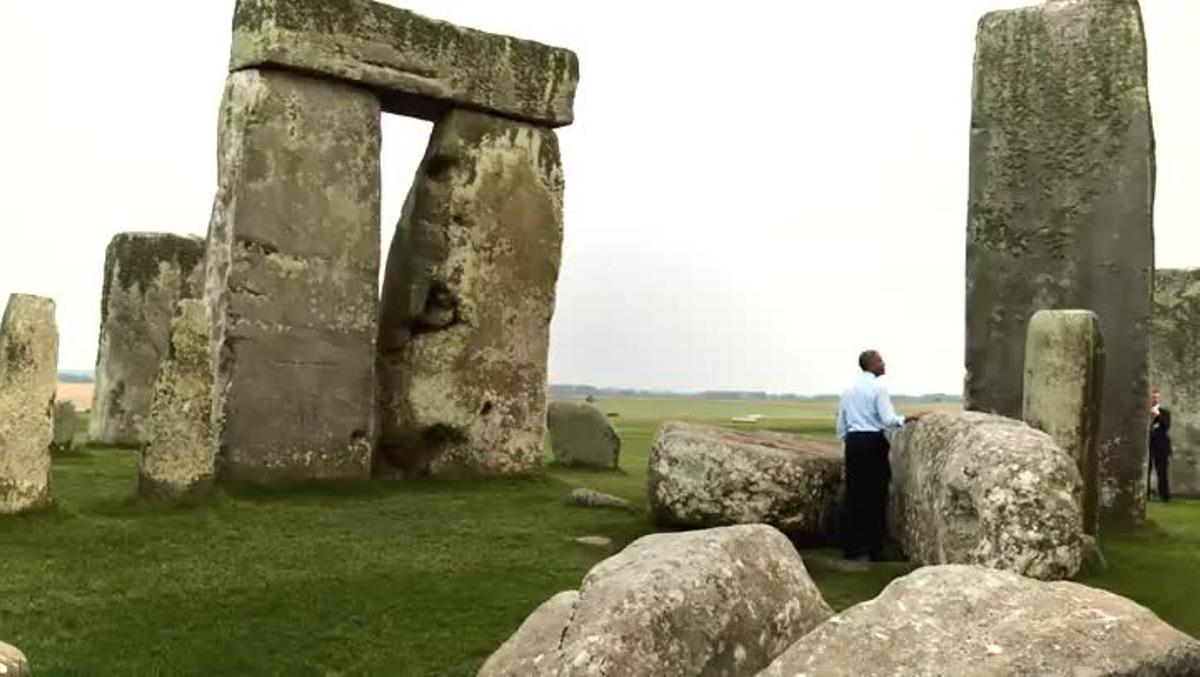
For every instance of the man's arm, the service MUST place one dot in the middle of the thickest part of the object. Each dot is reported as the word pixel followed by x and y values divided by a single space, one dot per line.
pixel 887 414
pixel 1164 420
pixel 841 422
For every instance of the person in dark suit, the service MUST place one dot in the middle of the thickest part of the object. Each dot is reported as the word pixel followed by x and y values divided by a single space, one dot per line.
pixel 1160 445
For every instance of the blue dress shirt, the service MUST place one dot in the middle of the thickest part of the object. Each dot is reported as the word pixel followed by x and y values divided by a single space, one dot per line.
pixel 866 408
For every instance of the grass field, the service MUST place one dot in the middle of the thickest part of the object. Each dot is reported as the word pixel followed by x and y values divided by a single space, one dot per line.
pixel 410 578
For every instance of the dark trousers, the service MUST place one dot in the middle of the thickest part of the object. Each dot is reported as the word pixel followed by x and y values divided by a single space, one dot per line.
pixel 1159 464
pixel 864 510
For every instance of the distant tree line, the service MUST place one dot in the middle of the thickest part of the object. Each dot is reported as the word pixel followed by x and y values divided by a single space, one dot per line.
pixel 577 391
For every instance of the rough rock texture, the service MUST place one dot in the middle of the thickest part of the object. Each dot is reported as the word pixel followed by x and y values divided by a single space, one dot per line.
pixel 467 302
pixel 66 423
pixel 28 371
pixel 587 498
pixel 293 275
pixel 962 620
pixel 1175 370
pixel 178 462
pixel 582 435
pixel 418 66
pixel 1064 377
pixel 703 476
pixel 1061 212
pixel 971 488
pixel 145 274
pixel 13 662
pixel 718 602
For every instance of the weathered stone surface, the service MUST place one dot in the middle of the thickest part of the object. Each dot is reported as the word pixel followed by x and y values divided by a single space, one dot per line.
pixel 13 662
pixel 467 302
pixel 66 423
pixel 703 476
pixel 971 488
pixel 145 274
pixel 1175 370
pixel 178 461
pixel 717 602
pixel 1061 212
pixel 28 370
pixel 581 435
pixel 587 498
pixel 1064 377
pixel 293 277
pixel 594 541
pixel 418 66
pixel 962 620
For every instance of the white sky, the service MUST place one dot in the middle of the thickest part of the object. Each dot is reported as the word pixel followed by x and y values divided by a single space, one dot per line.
pixel 755 192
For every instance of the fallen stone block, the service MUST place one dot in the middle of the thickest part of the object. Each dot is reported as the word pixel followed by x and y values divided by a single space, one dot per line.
pixel 705 476
pixel 971 488
pixel 966 620
pixel 587 498
pixel 717 602
pixel 12 662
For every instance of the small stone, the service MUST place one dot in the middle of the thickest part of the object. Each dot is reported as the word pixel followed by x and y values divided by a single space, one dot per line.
pixel 580 435
pixel 28 371
pixel 597 541
pixel 12 662
pixel 587 498
pixel 66 423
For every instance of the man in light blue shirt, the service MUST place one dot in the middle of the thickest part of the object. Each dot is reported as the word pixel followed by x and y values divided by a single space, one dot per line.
pixel 864 412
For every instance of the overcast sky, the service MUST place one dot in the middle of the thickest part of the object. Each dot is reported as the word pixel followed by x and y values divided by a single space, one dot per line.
pixel 755 191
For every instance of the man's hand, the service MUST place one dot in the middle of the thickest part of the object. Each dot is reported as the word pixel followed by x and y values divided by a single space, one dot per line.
pixel 913 418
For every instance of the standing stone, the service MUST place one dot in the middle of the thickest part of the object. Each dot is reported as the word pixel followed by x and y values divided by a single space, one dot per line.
pixel 581 435
pixel 177 463
pixel 971 488
pixel 145 274
pixel 28 371
pixel 12 661
pixel 66 422
pixel 1064 374
pixel 418 66
pixel 1175 370
pixel 293 273
pixel 467 302
pixel 1061 212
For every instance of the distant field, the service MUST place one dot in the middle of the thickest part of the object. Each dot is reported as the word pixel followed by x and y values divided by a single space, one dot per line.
pixel 79 394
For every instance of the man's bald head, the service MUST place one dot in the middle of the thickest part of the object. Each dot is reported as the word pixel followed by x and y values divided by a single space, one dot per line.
pixel 872 361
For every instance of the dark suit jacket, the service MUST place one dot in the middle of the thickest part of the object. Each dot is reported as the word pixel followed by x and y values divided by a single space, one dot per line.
pixel 1160 435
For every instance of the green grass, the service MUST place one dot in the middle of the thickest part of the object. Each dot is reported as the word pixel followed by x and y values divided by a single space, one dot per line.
pixel 420 578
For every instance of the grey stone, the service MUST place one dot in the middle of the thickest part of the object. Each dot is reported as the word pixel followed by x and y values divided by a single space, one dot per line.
pixel 178 461
pixel 66 423
pixel 963 620
pixel 145 274
pixel 717 602
pixel 704 476
pixel 587 498
pixel 595 541
pixel 418 66
pixel 1064 377
pixel 1175 370
pixel 581 435
pixel 971 488
pixel 467 300
pixel 293 275
pixel 1061 212
pixel 12 662
pixel 28 371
